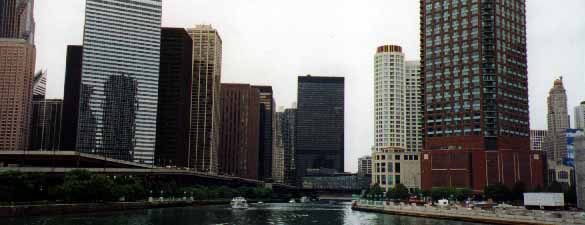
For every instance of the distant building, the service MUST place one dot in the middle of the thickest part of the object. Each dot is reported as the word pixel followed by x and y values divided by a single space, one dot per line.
pixel 205 99
pixel 267 128
pixel 579 144
pixel 174 98
pixel 119 81
pixel 17 63
pixel 238 153
pixel 288 141
pixel 40 85
pixel 397 119
pixel 319 134
pixel 558 123
pixel 537 139
pixel 580 116
pixel 71 93
pixel 45 131
pixel 278 149
pixel 336 182
pixel 365 166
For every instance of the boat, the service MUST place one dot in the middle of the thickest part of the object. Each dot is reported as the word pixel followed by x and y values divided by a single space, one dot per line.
pixel 291 201
pixel 305 199
pixel 239 203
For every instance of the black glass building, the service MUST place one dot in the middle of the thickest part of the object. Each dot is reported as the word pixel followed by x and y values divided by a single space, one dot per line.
pixel 319 134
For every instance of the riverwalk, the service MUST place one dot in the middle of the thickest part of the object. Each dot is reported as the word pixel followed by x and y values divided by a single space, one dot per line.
pixel 493 216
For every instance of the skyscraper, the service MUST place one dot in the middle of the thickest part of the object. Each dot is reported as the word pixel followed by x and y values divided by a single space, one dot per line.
pixel 240 129
pixel 40 85
pixel 267 112
pixel 580 116
pixel 475 104
pixel 119 82
pixel 174 98
pixel 288 142
pixel 398 139
pixel 17 63
pixel 365 166
pixel 205 100
pixel 45 131
pixel 319 134
pixel 558 123
pixel 71 97
pixel 16 20
pixel 278 148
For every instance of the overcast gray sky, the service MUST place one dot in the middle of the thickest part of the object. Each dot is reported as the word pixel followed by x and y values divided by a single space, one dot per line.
pixel 273 41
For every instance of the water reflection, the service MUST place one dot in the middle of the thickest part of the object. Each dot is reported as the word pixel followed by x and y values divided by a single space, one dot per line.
pixel 278 213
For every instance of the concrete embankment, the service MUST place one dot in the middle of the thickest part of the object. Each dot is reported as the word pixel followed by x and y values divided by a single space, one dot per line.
pixel 61 209
pixel 496 216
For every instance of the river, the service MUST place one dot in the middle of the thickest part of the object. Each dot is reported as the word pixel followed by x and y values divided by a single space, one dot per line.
pixel 272 213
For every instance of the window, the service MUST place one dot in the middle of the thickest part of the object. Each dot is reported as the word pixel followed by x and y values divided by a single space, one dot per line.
pixel 397 179
pixel 397 168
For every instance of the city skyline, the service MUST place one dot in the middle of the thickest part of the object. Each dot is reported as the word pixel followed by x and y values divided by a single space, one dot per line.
pixel 324 56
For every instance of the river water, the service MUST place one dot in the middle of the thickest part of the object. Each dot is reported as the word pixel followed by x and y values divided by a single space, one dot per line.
pixel 272 213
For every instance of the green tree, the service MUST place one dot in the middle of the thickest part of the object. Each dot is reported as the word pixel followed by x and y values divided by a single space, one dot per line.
pixel 461 194
pixel 518 191
pixel 400 192
pixel 497 192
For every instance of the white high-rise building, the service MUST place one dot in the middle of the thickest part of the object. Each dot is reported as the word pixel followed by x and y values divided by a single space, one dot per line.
pixel 119 82
pixel 397 117
pixel 580 116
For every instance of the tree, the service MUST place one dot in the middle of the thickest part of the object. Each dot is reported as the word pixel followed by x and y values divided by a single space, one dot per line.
pixel 497 192
pixel 400 192
pixel 555 187
pixel 375 190
pixel 518 191
pixel 461 194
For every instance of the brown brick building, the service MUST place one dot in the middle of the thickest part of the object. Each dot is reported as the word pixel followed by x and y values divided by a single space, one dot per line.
pixel 238 153
pixel 475 95
pixel 17 63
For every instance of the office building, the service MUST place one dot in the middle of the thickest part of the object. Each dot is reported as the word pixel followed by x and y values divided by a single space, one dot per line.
pixel 288 142
pixel 17 63
pixel 278 148
pixel 579 143
pixel 238 153
pixel 267 128
pixel 365 166
pixel 397 117
pixel 580 116
pixel 119 81
pixel 45 131
pixel 174 98
pixel 16 20
pixel 475 100
pixel 319 130
pixel 205 99
pixel 40 85
pixel 537 139
pixel 71 97
pixel 558 123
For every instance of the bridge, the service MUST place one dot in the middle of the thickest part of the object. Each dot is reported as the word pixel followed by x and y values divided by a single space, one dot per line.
pixel 57 163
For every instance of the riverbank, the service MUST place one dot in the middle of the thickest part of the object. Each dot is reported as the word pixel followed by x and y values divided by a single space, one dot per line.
pixel 496 216
pixel 79 208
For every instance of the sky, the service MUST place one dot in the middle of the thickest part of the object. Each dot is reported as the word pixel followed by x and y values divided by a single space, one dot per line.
pixel 272 42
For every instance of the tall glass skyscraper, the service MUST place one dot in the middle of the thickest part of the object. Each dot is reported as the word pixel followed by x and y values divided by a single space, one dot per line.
pixel 119 84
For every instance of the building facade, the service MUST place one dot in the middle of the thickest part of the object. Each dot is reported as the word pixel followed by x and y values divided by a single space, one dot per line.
pixel 119 81
pixel 71 97
pixel 40 85
pixel 537 139
pixel 579 143
pixel 288 142
pixel 16 20
pixel 267 128
pixel 205 100
pixel 365 166
pixel 319 134
pixel 278 149
pixel 45 131
pixel 580 116
pixel 174 98
pixel 475 101
pixel 558 123
pixel 17 63
pixel 238 153
pixel 397 117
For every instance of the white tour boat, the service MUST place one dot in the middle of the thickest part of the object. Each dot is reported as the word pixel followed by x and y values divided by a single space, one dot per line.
pixel 239 203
